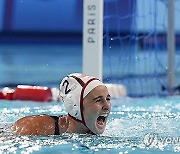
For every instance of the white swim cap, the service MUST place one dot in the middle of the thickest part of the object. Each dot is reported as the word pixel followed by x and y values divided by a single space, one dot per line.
pixel 73 89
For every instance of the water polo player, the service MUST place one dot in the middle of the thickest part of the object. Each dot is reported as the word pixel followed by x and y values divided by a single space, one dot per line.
pixel 87 102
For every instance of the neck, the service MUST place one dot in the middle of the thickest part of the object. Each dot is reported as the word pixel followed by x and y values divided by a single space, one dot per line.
pixel 75 126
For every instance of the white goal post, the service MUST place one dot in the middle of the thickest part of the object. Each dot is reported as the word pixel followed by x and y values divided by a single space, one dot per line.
pixel 93 37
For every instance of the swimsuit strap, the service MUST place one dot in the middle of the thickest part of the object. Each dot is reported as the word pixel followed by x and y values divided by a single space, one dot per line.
pixel 56 118
pixel 57 132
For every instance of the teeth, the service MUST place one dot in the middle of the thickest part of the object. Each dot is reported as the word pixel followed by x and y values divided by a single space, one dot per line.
pixel 104 115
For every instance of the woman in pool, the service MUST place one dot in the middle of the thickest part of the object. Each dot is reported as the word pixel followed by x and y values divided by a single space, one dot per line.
pixel 87 102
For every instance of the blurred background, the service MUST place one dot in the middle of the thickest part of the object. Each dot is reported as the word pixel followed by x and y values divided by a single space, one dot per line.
pixel 41 42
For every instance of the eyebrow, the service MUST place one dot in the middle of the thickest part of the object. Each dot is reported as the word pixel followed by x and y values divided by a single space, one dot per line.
pixel 101 97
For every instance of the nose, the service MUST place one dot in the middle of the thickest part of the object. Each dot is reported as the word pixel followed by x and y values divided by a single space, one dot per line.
pixel 106 105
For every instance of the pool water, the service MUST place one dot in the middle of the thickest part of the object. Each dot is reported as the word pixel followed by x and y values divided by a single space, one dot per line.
pixel 136 125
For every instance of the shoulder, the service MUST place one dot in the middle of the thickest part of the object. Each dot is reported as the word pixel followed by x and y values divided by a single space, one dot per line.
pixel 35 125
pixel 36 118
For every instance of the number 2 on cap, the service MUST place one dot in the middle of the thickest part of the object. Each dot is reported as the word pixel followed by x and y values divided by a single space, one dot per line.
pixel 66 84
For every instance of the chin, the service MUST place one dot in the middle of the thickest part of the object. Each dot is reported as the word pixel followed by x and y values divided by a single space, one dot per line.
pixel 98 129
pixel 99 132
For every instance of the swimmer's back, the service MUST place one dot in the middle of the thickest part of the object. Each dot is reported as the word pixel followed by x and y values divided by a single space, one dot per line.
pixel 38 125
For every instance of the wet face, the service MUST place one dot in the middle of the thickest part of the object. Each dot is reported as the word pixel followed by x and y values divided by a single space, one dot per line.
pixel 96 109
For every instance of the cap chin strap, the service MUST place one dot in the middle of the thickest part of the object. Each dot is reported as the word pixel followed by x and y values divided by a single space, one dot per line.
pixel 89 131
pixel 81 107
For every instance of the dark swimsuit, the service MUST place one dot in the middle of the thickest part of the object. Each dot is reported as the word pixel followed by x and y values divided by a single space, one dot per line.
pixel 56 119
pixel 57 132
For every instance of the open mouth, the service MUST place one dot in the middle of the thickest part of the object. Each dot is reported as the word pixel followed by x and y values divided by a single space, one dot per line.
pixel 102 119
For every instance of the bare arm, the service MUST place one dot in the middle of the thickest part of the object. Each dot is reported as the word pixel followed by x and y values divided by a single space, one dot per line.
pixel 35 125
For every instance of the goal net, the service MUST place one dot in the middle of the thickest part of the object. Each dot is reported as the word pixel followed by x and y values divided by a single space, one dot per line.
pixel 135 51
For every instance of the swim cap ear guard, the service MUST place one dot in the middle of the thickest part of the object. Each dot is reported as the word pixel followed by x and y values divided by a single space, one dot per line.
pixel 73 89
pixel 69 94
pixel 71 105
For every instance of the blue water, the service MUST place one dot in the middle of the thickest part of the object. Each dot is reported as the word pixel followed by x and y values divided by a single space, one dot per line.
pixel 136 125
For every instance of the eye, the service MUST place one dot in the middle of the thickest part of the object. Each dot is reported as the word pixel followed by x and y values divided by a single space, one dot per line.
pixel 98 100
pixel 108 98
